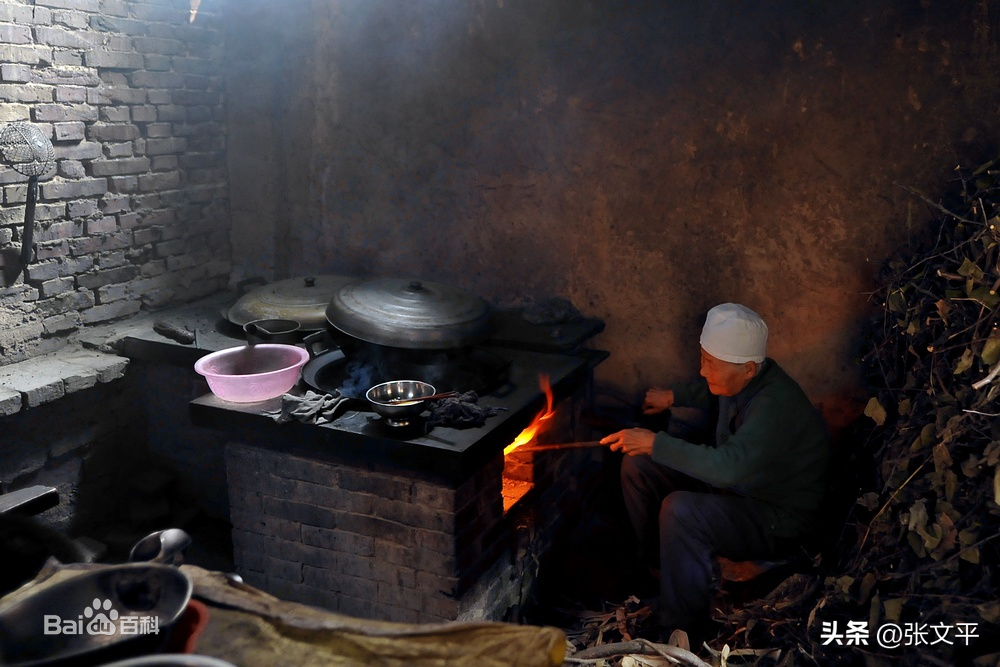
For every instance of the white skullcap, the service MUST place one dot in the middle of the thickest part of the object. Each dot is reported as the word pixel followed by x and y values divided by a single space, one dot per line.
pixel 734 333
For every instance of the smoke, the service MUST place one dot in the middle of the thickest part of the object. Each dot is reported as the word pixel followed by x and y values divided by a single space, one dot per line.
pixel 364 370
pixel 369 365
pixel 358 381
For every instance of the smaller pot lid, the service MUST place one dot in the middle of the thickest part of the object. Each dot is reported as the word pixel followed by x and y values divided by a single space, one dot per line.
pixel 302 299
pixel 411 314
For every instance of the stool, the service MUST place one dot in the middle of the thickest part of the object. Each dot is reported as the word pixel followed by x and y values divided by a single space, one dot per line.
pixel 751 579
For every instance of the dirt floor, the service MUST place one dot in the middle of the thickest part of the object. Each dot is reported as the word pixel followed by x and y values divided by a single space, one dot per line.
pixel 593 571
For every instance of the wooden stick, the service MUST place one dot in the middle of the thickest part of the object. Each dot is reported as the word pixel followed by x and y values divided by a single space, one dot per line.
pixel 556 447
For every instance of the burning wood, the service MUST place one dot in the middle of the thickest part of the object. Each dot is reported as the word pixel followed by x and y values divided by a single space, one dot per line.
pixel 538 423
pixel 517 482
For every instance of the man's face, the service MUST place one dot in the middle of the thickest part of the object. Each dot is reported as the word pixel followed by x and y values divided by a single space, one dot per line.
pixel 726 378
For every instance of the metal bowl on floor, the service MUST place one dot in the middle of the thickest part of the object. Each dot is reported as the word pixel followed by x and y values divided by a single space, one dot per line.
pixel 112 612
pixel 172 660
pixel 399 401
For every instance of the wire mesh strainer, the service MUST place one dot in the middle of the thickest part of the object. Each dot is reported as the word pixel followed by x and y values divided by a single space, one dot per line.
pixel 26 149
pixel 30 153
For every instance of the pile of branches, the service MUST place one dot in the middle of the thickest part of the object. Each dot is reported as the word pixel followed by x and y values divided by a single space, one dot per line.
pixel 618 637
pixel 930 552
pixel 915 577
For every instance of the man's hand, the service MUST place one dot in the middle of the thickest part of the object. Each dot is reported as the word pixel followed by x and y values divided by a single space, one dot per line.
pixel 657 400
pixel 631 441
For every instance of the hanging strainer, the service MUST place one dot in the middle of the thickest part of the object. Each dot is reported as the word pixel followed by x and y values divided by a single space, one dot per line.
pixel 26 149
pixel 30 153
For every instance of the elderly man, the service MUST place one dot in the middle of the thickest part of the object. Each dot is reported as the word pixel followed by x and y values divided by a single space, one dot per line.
pixel 752 491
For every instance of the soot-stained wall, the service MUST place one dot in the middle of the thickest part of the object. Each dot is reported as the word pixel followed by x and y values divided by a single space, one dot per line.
pixel 645 160
pixel 131 212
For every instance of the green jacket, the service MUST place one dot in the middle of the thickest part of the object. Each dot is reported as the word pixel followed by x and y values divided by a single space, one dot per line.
pixel 771 445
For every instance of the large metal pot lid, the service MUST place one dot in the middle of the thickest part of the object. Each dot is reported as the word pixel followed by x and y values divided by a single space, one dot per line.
pixel 412 314
pixel 303 299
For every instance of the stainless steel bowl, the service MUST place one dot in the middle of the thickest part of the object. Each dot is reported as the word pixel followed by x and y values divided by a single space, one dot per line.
pixel 399 401
pixel 112 612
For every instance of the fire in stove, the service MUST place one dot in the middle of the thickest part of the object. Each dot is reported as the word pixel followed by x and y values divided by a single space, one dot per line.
pixel 518 474
pixel 538 423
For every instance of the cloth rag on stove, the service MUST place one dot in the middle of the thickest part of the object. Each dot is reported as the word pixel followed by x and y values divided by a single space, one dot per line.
pixel 310 408
pixel 462 411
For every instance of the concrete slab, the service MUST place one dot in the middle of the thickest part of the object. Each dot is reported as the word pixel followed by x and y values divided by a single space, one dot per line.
pixel 10 401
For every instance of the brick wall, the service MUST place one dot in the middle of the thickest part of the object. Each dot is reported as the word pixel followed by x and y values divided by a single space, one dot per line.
pixel 394 546
pixel 134 215
pixel 361 542
pixel 87 445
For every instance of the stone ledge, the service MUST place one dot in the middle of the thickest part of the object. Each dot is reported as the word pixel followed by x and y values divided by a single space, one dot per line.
pixel 100 354
pixel 28 384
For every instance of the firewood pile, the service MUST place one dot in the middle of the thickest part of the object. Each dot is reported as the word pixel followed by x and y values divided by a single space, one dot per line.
pixel 913 578
pixel 622 635
pixel 616 636
pixel 620 622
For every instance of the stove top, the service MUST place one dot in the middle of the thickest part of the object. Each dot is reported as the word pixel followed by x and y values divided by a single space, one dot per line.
pixel 358 434
pixel 527 350
pixel 351 371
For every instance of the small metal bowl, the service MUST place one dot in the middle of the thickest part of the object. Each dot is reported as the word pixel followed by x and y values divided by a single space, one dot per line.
pixel 398 401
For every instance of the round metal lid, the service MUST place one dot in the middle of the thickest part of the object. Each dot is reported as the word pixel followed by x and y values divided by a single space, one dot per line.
pixel 302 299
pixel 412 314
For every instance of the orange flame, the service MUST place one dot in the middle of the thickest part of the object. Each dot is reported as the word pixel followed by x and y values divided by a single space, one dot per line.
pixel 537 424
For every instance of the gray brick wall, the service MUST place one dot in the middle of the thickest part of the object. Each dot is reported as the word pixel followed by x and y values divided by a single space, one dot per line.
pixel 357 541
pixel 386 546
pixel 134 214
pixel 87 453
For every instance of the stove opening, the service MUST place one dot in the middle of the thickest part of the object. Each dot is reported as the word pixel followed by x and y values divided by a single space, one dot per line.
pixel 518 470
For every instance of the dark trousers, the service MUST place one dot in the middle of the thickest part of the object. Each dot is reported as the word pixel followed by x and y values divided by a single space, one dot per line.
pixel 681 524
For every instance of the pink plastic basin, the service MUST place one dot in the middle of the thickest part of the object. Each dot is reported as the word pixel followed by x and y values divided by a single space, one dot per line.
pixel 251 373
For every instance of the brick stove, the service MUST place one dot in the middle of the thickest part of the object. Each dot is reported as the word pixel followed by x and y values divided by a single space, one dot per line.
pixel 373 521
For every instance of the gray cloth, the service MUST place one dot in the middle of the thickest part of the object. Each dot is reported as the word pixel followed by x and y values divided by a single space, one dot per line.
pixel 462 411
pixel 310 408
